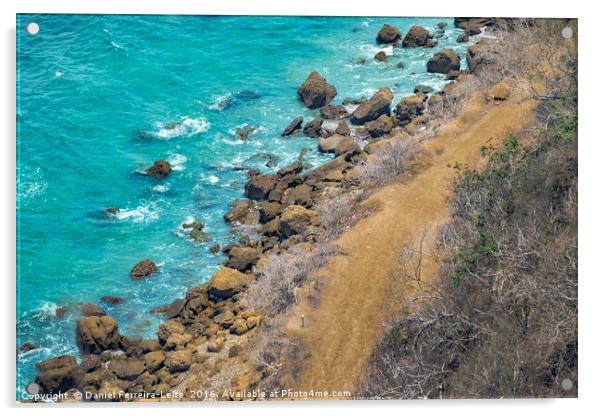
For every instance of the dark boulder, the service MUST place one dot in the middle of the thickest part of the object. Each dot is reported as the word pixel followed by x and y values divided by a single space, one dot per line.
pixel 112 300
pixel 292 127
pixel 388 34
pixel 259 187
pixel 316 92
pixel 57 375
pixel 333 112
pixel 242 210
pixel 416 37
pixel 242 258
pixel 381 56
pixel 292 169
pixel 443 62
pixel 343 129
pixel 96 334
pixel 313 128
pixel 159 170
pixel 379 104
pixel 143 269
pixel 409 108
pixel 380 127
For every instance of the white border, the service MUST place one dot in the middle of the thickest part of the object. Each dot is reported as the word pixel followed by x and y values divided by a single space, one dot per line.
pixel 590 68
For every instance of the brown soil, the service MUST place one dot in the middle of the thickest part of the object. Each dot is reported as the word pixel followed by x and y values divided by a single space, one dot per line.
pixel 342 330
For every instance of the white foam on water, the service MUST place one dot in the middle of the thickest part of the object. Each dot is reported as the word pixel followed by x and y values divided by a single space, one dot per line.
pixel 213 179
pixel 187 127
pixel 177 161
pixel 58 74
pixel 160 188
pixel 139 214
pixel 221 102
pixel 32 184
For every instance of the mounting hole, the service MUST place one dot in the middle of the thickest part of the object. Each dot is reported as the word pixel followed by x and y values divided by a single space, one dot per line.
pixel 567 33
pixel 32 28
pixel 566 384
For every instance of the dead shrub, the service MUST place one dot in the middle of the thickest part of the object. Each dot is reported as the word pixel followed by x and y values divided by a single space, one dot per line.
pixel 389 161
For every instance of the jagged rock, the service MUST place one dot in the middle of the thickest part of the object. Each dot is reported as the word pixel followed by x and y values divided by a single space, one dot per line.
pixel 333 112
pixel 380 127
pixel 175 308
pixel 451 75
pixel 300 195
pixel 112 300
pixel 423 89
pixel 243 210
pixel 381 56
pixel 271 228
pixel 227 282
pixel 168 329
pixel 177 341
pixel 253 321
pixel 343 129
pixel 292 169
pixel 177 361
pixel 214 249
pixel 96 334
pixel 154 360
pixel 244 132
pixel 475 55
pixel 443 62
pixel 27 346
pixel 501 91
pixel 57 375
pixel 258 187
pixel 159 170
pixel 292 127
pixel 388 34
pixel 90 363
pixel 195 232
pixel 126 369
pixel 463 38
pixel 242 258
pixel 316 92
pixel 409 108
pixel 373 108
pixel 416 37
pixel 143 269
pixel 268 211
pixel 296 219
pixel 313 128
pixel 89 309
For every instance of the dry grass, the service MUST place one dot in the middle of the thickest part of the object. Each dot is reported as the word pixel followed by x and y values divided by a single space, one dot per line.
pixel 390 161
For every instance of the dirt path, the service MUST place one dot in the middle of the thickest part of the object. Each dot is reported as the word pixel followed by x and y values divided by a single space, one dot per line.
pixel 341 332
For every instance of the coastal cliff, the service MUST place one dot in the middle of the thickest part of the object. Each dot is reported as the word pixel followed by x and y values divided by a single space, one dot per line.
pixel 302 301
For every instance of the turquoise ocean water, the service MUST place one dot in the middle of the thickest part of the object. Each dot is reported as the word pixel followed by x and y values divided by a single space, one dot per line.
pixel 95 99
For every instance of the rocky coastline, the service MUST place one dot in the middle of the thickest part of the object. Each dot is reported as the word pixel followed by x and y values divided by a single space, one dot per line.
pixel 206 332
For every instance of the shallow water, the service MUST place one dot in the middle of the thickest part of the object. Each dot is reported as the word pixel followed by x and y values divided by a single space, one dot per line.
pixel 97 100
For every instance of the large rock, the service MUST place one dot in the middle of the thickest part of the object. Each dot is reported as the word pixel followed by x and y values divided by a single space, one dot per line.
pixel 296 219
pixel 443 62
pixel 169 329
pixel 379 104
pixel 96 334
pixel 126 369
pixel 343 129
pixel 300 195
pixel 416 37
pixel 159 170
pixel 154 361
pixel 57 375
pixel 338 145
pixel 242 211
pixel 409 108
pixel 333 112
pixel 258 187
pixel 268 210
pixel 475 55
pixel 380 127
pixel 143 269
pixel 177 361
pixel 388 34
pixel 292 127
pixel 242 258
pixel 313 128
pixel 292 169
pixel 316 92
pixel 227 282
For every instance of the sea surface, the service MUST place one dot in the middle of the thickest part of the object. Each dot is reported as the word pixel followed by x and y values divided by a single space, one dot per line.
pixel 100 97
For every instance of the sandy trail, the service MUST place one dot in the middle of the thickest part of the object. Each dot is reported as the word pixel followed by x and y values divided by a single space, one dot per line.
pixel 342 330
